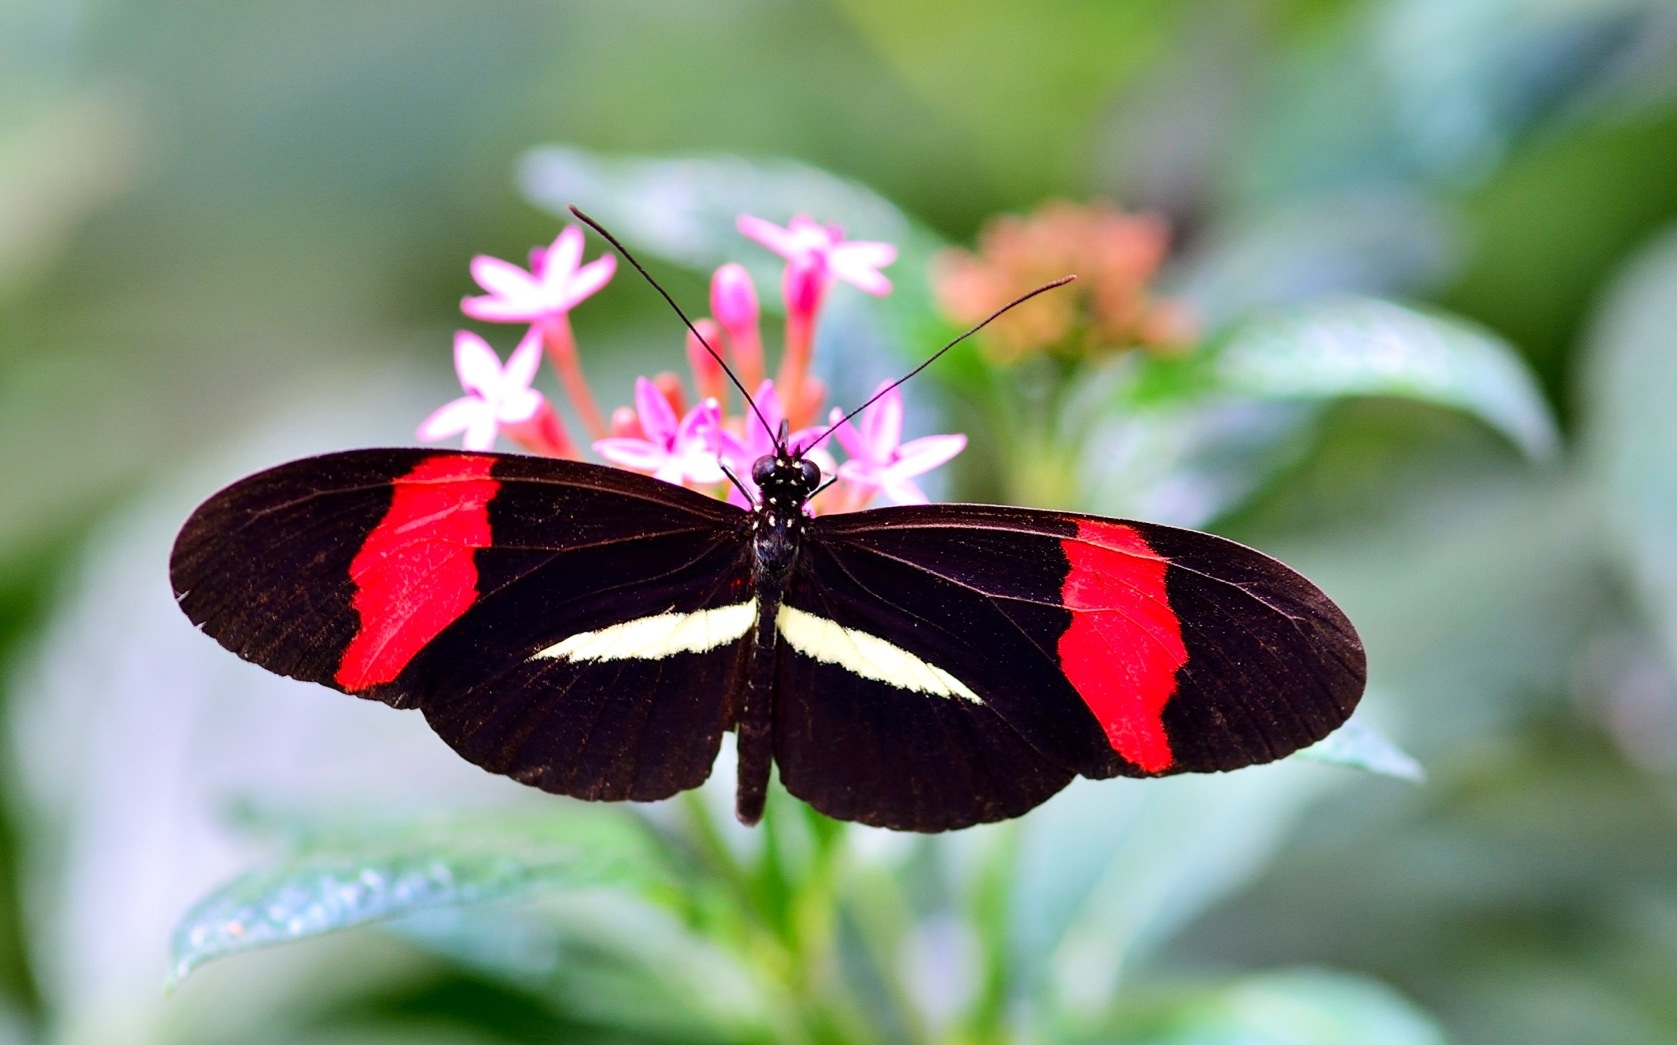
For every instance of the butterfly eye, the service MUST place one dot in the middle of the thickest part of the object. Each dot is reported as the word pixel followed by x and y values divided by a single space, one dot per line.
pixel 762 470
pixel 810 474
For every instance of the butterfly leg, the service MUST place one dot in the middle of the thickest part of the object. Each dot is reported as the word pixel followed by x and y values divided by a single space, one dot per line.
pixel 754 728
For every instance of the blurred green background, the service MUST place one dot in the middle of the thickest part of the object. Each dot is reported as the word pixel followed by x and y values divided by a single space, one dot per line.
pixel 233 233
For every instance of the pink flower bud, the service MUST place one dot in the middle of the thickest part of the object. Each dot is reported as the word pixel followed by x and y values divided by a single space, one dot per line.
pixel 810 399
pixel 625 424
pixel 544 434
pixel 668 384
pixel 733 299
pixel 803 287
pixel 707 369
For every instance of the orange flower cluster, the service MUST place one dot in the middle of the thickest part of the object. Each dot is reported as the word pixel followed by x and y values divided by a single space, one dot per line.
pixel 1111 307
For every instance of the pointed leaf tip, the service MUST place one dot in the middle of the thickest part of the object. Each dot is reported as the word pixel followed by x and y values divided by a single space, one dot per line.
pixel 1361 746
pixel 396 872
pixel 1354 346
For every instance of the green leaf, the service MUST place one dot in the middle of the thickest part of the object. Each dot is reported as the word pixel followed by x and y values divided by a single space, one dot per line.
pixel 613 959
pixel 1296 1007
pixel 1363 347
pixel 684 209
pixel 1188 463
pixel 1025 89
pixel 1360 746
pixel 1631 431
pixel 1389 241
pixel 1107 871
pixel 340 882
pixel 1475 592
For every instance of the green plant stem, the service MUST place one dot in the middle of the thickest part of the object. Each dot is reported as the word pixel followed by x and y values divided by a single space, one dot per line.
pixel 714 850
pixel 787 925
pixel 987 1020
pixel 883 913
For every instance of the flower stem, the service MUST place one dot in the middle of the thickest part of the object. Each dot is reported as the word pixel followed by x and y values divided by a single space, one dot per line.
pixel 804 287
pixel 561 350
pixel 746 346
pixel 544 434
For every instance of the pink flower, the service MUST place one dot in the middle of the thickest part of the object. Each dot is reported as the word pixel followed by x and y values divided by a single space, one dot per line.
pixel 688 450
pixel 823 252
pixel 554 285
pixel 495 398
pixel 741 453
pixel 707 368
pixel 733 299
pixel 879 460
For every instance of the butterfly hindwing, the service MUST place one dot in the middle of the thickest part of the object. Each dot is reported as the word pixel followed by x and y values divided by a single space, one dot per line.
pixel 892 677
pixel 1079 645
pixel 604 672
pixel 863 749
pixel 453 582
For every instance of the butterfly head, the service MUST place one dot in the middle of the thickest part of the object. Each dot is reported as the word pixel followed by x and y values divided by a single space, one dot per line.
pixel 786 480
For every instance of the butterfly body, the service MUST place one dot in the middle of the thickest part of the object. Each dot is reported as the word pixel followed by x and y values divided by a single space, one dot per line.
pixel 593 632
pixel 779 526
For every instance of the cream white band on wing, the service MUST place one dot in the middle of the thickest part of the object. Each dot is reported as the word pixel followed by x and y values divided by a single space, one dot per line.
pixel 654 638
pixel 867 655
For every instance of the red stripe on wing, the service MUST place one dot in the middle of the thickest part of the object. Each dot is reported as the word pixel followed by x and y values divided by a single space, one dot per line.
pixel 1124 645
pixel 415 575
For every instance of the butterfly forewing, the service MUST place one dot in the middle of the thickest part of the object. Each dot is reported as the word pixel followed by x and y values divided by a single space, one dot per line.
pixel 452 582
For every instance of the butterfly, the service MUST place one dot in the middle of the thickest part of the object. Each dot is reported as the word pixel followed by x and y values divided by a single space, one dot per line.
pixel 594 632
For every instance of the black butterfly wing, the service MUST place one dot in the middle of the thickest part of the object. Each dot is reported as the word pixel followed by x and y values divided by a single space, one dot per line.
pixel 575 627
pixel 960 663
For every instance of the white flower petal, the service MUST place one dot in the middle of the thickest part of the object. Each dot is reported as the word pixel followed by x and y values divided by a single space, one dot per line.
pixel 918 456
pixel 702 467
pixel 452 418
pixel 902 491
pixel 858 264
pixel 563 257
pixel 870 253
pixel 525 360
pixel 865 280
pixel 481 435
pixel 811 236
pixel 498 310
pixel 635 454
pixel 476 364
pixel 519 406
pixel 588 279
pixel 770 235
pixel 503 279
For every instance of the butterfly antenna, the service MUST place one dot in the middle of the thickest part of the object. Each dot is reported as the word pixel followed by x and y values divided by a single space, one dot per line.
pixel 726 369
pixel 935 356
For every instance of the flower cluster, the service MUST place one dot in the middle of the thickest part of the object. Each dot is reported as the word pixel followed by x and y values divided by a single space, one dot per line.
pixel 1110 307
pixel 711 444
